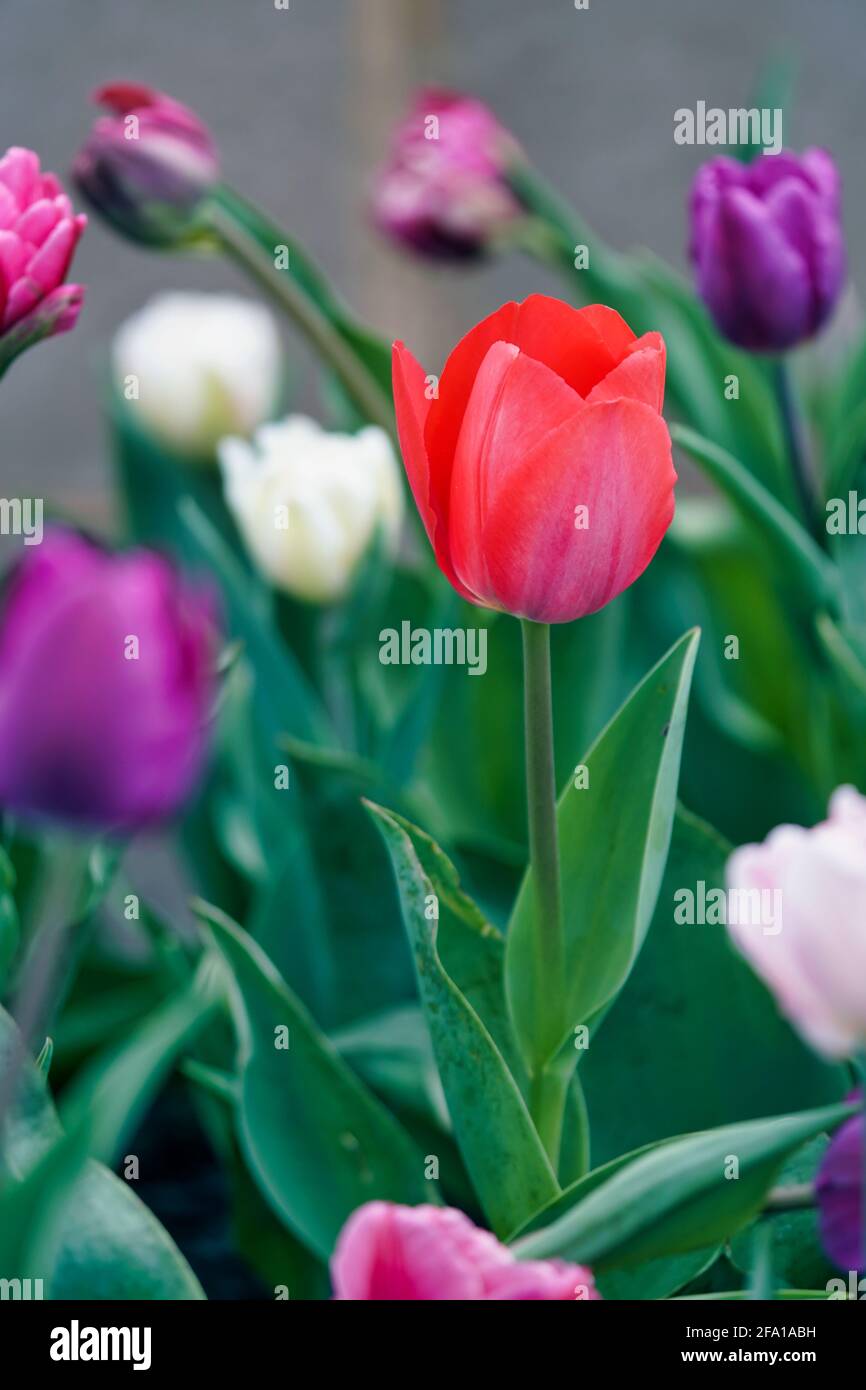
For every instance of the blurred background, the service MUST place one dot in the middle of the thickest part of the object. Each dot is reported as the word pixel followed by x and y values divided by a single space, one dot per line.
pixel 301 102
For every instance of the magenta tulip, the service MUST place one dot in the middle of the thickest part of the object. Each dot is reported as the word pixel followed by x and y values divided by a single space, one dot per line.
pixel 443 190
pixel 389 1252
pixel 106 685
pixel 147 165
pixel 38 236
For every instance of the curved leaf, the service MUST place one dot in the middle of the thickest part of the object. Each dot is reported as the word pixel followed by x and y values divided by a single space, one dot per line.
pixel 316 1139
pixel 613 837
pixel 681 1195
pixel 502 1152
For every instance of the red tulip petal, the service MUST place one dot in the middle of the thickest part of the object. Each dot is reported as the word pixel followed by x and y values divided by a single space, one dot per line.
pixel 640 376
pixel 457 380
pixel 614 458
pixel 515 403
pixel 431 494
pixel 580 345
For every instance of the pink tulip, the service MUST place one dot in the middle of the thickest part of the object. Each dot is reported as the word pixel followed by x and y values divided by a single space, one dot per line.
pixel 444 192
pixel 147 165
pixel 388 1252
pixel 38 235
pixel 804 931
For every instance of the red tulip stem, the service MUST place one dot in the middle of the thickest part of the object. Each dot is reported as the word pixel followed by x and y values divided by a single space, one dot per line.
pixel 549 954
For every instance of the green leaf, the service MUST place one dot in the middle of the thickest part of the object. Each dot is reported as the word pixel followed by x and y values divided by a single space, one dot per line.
pixel 374 352
pixel 688 983
pixel 10 931
pixel 92 1235
pixel 317 1141
pixel 613 838
pixel 680 1195
pixel 656 1278
pixel 111 1095
pixel 501 1150
pixel 798 1256
pixel 284 698
pixel 800 558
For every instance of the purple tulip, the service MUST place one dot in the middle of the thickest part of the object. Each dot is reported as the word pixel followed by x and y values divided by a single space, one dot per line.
pixel 839 1194
pixel 106 684
pixel 38 235
pixel 147 166
pixel 443 191
pixel 767 246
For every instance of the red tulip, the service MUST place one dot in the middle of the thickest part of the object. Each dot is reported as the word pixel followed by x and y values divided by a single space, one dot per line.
pixel 541 466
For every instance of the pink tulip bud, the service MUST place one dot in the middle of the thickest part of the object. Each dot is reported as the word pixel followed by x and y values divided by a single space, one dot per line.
pixel 393 1253
pixel 147 166
pixel 443 191
pixel 38 235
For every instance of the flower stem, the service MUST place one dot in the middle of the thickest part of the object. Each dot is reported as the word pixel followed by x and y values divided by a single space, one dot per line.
pixel 797 442
pixel 546 1094
pixel 333 349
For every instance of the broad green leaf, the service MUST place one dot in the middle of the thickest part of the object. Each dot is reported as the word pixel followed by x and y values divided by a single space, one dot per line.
pixel 688 983
pixel 680 1195
pixel 103 1242
pixel 613 843
pixel 798 555
pixel 317 1141
pixel 501 1150
pixel 111 1095
pixel 656 1278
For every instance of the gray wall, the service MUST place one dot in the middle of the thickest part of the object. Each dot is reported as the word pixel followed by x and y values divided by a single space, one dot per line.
pixel 300 102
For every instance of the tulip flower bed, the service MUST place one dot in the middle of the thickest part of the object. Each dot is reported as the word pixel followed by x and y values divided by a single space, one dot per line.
pixel 515 786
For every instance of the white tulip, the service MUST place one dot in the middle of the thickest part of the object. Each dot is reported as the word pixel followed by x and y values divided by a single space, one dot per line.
pixel 308 502
pixel 196 367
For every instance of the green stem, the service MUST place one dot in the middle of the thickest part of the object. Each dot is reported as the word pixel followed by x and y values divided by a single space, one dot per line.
pixel 238 243
pixel 549 949
pixel 797 442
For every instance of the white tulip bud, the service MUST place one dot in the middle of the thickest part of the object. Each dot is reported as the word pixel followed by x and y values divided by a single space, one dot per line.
pixel 308 502
pixel 196 367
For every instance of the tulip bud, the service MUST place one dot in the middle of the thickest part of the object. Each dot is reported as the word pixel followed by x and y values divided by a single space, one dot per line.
pixel 812 955
pixel 106 685
pixel 839 1195
pixel 767 246
pixel 148 165
pixel 426 1253
pixel 196 367
pixel 38 236
pixel 542 470
pixel 308 503
pixel 443 191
